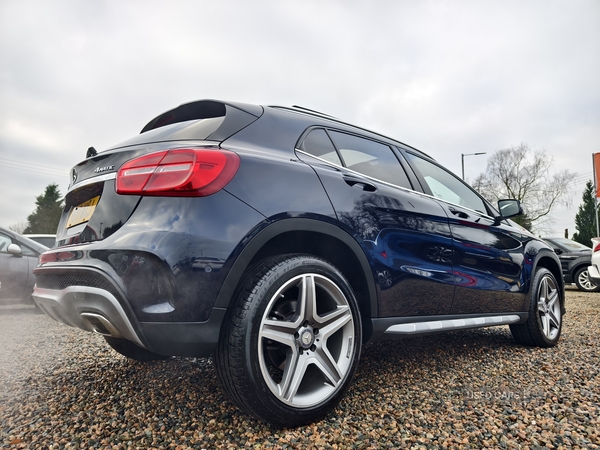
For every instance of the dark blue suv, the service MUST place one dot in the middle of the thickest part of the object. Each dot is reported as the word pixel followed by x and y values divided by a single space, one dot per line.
pixel 280 240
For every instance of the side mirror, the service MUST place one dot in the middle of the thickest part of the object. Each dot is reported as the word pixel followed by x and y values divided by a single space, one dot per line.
pixel 14 250
pixel 558 251
pixel 508 208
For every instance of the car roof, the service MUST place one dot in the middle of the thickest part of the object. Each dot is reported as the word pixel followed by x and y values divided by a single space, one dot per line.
pixel 326 119
pixel 207 108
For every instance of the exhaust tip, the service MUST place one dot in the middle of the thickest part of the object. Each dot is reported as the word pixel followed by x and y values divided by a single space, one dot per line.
pixel 101 325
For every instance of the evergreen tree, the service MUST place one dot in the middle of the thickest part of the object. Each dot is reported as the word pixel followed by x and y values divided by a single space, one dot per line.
pixel 45 218
pixel 524 221
pixel 584 219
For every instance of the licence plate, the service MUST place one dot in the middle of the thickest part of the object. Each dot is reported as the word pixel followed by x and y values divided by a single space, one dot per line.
pixel 83 212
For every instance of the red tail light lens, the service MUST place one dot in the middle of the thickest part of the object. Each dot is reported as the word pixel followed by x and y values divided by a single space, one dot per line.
pixel 58 256
pixel 596 243
pixel 178 173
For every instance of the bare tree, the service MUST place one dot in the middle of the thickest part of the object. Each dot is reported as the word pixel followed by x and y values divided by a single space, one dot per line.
pixel 19 227
pixel 525 174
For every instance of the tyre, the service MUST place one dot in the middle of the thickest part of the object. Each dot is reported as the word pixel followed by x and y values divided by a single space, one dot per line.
pixel 583 282
pixel 291 342
pixel 544 324
pixel 132 351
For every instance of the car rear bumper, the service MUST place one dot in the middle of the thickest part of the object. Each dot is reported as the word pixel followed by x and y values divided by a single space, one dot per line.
pixel 98 311
pixel 89 308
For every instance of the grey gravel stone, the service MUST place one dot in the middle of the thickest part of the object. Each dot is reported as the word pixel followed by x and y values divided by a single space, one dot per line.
pixel 63 388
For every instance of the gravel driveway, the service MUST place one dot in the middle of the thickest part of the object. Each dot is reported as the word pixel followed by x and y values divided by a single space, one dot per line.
pixel 64 388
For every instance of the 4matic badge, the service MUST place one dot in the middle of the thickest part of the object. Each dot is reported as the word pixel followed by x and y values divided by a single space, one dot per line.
pixel 103 169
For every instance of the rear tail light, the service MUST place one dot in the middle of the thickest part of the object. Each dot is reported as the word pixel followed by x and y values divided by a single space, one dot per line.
pixel 58 256
pixel 596 244
pixel 178 173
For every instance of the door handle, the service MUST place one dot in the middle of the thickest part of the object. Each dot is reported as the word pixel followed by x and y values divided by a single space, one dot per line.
pixel 461 214
pixel 360 184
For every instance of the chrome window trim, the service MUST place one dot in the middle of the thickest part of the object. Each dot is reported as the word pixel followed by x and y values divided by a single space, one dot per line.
pixel 357 173
pixel 479 213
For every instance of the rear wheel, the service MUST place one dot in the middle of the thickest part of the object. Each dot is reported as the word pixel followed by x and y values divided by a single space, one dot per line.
pixel 544 325
pixel 290 345
pixel 132 351
pixel 583 281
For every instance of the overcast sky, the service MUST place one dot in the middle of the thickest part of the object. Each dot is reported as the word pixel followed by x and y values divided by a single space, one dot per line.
pixel 447 77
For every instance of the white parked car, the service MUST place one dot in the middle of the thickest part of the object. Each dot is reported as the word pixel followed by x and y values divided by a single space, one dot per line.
pixel 594 269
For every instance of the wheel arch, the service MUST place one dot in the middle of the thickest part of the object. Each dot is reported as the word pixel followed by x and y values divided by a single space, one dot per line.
pixel 583 267
pixel 553 265
pixel 578 267
pixel 314 237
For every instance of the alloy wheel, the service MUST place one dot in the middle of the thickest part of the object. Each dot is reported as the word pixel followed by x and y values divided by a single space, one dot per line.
pixel 584 281
pixel 549 308
pixel 306 341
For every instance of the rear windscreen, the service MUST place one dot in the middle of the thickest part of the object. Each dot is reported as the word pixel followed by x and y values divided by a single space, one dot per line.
pixel 192 129
pixel 188 124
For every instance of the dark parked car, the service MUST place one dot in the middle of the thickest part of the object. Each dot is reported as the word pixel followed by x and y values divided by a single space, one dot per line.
pixel 18 257
pixel 575 259
pixel 280 240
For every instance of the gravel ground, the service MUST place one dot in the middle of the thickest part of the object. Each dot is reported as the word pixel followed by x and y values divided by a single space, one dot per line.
pixel 64 388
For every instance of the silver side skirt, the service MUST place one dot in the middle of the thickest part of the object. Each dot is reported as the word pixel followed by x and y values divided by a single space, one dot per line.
pixel 450 325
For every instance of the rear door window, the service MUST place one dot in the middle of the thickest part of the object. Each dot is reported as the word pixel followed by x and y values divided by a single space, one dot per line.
pixel 370 158
pixel 318 144
pixel 361 155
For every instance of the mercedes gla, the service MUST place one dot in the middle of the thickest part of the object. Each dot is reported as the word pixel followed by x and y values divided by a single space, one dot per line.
pixel 280 240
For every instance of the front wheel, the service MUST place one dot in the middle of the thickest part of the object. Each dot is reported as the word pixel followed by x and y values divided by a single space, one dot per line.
pixel 544 324
pixel 291 343
pixel 583 282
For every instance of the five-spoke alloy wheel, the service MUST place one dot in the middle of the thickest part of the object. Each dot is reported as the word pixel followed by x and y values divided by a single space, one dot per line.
pixel 548 310
pixel 305 334
pixel 293 343
pixel 544 324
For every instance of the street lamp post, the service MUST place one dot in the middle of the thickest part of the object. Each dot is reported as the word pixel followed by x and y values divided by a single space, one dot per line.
pixel 462 160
